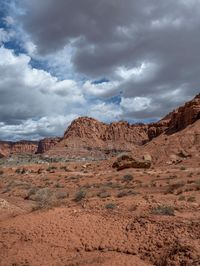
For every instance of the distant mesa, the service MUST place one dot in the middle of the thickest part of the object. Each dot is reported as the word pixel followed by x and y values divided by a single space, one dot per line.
pixel 8 148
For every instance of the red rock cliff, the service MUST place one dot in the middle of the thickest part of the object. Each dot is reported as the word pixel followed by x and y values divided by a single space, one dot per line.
pixel 47 144
pixel 7 148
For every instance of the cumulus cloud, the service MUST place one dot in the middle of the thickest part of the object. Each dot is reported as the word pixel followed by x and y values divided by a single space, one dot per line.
pixel 123 37
pixel 144 53
pixel 29 94
pixel 35 104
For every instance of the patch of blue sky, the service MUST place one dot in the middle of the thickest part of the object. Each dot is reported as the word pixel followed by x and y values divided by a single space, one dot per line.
pixel 115 99
pixel 99 81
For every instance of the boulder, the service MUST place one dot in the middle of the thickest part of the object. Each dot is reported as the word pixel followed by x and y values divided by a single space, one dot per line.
pixel 124 161
pixel 147 157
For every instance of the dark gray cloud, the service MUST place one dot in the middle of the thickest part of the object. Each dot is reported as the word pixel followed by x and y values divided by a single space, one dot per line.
pixel 147 49
pixel 109 34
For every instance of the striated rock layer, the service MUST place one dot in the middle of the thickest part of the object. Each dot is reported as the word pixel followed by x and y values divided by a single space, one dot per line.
pixel 47 144
pixel 7 148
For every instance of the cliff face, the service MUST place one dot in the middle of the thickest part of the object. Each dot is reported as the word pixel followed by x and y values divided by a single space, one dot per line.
pixel 181 144
pixel 7 148
pixel 47 144
pixel 185 115
pixel 93 130
pixel 88 136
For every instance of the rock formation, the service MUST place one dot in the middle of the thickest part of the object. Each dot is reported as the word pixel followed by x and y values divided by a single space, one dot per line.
pixel 124 161
pixel 8 148
pixel 185 115
pixel 181 145
pixel 46 144
pixel 87 136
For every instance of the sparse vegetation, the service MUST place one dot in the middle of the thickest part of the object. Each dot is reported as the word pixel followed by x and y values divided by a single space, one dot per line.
pixel 181 198
pixel 59 185
pixel 62 194
pixel 191 199
pixel 20 171
pixel 128 178
pixel 172 187
pixel 163 210
pixel 104 194
pixel 126 193
pixel 51 168
pixel 111 206
pixel 81 194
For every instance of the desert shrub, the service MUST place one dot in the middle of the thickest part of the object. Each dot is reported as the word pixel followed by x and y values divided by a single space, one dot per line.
pixel 191 199
pixel 79 195
pixel 42 195
pixel 18 183
pixel 51 168
pixel 126 193
pixel 181 198
pixel 110 206
pixel 32 191
pixel 20 171
pixel 104 194
pixel 63 168
pixel 182 168
pixel 163 210
pixel 1 172
pixel 59 185
pixel 73 177
pixel 62 194
pixel 127 178
pixel 174 187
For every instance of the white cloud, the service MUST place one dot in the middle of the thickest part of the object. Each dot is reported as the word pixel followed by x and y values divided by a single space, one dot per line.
pixel 144 72
pixel 135 104
pixel 9 20
pixel 28 93
pixel 104 89
pixel 46 126
pixel 105 112
pixel 5 36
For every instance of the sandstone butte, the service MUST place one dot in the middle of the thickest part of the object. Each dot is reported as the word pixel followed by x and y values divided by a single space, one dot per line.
pixel 89 137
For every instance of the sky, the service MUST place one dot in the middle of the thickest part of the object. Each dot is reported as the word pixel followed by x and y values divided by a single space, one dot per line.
pixel 107 59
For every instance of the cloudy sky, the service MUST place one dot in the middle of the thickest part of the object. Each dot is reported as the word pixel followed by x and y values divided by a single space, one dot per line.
pixel 108 59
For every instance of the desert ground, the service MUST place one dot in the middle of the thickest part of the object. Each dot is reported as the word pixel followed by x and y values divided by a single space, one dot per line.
pixel 87 213
pixel 104 194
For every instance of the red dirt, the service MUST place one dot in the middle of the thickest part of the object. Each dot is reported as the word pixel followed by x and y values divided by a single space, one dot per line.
pixel 84 212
